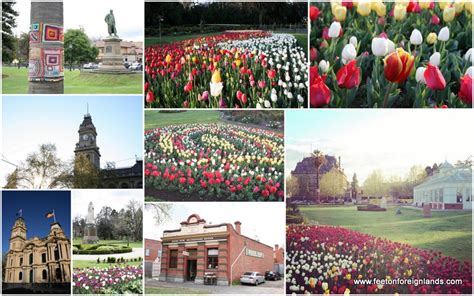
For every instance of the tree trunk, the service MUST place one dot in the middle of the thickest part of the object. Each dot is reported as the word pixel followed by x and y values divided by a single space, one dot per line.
pixel 46 61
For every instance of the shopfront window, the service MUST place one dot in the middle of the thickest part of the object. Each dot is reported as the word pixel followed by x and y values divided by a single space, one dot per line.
pixel 173 263
pixel 459 196
pixel 147 252
pixel 212 258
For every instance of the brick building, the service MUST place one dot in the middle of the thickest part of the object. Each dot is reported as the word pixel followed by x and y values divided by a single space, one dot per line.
pixel 198 251
pixel 152 258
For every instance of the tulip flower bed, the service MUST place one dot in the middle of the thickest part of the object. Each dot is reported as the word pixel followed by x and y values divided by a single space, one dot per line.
pixel 216 161
pixel 405 53
pixel 326 259
pixel 248 69
pixel 111 280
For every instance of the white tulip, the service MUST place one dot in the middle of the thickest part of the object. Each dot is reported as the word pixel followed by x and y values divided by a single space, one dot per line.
pixel 353 41
pixel 349 52
pixel 469 71
pixel 323 66
pixel 267 104
pixel 390 46
pixel 468 55
pixel 216 88
pixel 334 30
pixel 379 46
pixel 443 34
pixel 420 75
pixel 435 59
pixel 415 37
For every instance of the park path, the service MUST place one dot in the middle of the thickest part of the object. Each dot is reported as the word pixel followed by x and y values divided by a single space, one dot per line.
pixel 136 252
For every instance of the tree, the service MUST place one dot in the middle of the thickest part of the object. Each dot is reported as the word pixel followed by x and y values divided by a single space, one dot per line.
pixel 354 186
pixel 161 211
pixel 9 15
pixel 41 170
pixel 78 48
pixel 78 225
pixel 86 174
pixel 133 219
pixel 416 175
pixel 104 224
pixel 47 13
pixel 292 186
pixel 23 47
pixel 333 183
pixel 374 184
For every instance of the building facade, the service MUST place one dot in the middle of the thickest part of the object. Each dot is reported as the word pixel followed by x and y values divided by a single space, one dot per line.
pixel 110 177
pixel 130 50
pixel 152 258
pixel 198 251
pixel 449 189
pixel 38 260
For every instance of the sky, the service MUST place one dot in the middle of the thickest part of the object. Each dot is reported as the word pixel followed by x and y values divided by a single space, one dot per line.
pixel 390 140
pixel 113 198
pixel 29 121
pixel 35 205
pixel 90 14
pixel 259 220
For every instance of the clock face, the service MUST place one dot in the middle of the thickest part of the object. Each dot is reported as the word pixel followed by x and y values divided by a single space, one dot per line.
pixel 85 137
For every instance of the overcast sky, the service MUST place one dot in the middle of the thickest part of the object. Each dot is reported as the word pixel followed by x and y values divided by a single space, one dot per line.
pixel 90 14
pixel 391 140
pixel 264 221
pixel 115 198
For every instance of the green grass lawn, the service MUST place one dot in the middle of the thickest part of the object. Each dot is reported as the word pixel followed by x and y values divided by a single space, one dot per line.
pixel 447 232
pixel 154 119
pixel 15 81
pixel 93 263
pixel 149 41
pixel 136 244
pixel 156 290
pixel 302 40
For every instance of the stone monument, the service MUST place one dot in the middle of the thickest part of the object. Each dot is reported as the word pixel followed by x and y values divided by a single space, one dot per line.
pixel 90 231
pixel 112 60
pixel 383 203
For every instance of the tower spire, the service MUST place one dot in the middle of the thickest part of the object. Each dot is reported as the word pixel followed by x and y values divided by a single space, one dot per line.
pixel 87 109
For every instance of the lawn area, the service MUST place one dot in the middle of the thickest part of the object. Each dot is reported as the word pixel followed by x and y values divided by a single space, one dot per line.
pixel 137 244
pixel 15 81
pixel 149 41
pixel 447 232
pixel 156 290
pixel 302 40
pixel 154 119
pixel 93 263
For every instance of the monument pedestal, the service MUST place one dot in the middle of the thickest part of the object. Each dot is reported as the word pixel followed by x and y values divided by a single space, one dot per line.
pixel 90 234
pixel 112 60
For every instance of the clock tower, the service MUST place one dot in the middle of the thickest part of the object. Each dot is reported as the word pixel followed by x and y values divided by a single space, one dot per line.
pixel 18 235
pixel 87 144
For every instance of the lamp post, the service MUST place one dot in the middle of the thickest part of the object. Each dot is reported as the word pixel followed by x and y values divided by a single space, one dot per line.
pixel 71 59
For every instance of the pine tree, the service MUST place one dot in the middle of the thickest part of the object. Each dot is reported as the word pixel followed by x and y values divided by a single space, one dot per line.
pixel 8 23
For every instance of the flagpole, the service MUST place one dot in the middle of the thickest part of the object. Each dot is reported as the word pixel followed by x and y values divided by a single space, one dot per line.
pixel 54 216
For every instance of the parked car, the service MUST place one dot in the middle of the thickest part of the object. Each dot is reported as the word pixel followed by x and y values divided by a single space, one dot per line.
pixel 272 276
pixel 136 67
pixel 90 66
pixel 252 277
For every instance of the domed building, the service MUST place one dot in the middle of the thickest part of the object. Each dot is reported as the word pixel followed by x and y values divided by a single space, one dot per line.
pixel 450 189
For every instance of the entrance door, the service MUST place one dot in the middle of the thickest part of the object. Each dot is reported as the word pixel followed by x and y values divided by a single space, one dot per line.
pixel 191 270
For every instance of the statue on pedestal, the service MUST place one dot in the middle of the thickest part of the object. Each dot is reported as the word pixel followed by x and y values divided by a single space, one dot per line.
pixel 110 20
pixel 90 230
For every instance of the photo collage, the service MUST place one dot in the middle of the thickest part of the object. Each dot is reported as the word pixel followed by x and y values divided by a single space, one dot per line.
pixel 226 147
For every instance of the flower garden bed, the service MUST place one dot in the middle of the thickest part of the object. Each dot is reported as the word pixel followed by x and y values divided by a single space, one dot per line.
pixel 225 161
pixel 111 280
pixel 241 69
pixel 99 249
pixel 391 54
pixel 326 259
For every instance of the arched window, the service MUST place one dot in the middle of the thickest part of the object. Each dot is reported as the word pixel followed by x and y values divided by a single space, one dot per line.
pixel 31 258
pixel 20 276
pixel 58 274
pixel 45 274
pixel 56 253
pixel 31 276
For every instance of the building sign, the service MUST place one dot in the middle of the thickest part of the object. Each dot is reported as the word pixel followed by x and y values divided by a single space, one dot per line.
pixel 253 253
pixel 185 253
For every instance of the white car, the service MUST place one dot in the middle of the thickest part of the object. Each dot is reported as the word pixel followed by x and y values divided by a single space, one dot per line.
pixel 252 277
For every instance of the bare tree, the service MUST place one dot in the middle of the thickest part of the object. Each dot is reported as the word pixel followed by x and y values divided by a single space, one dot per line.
pixel 161 211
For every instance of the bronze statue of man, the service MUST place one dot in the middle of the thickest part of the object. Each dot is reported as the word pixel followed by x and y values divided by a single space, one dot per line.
pixel 110 20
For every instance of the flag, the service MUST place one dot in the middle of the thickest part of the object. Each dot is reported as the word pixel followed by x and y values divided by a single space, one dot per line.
pixel 19 213
pixel 49 215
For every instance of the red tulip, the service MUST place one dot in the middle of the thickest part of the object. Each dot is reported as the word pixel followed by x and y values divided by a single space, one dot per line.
pixel 398 65
pixel 146 86
pixel 319 93
pixel 434 78
pixel 349 75
pixel 434 19
pixel 326 33
pixel 348 4
pixel 465 92
pixel 271 74
pixel 313 54
pixel 150 97
pixel 313 13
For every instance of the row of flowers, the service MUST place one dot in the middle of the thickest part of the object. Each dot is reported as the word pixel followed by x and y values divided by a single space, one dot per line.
pixel 252 69
pixel 394 54
pixel 110 280
pixel 225 161
pixel 330 260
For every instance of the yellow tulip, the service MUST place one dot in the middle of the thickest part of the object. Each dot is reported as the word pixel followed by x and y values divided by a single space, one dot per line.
pixel 216 77
pixel 402 2
pixel 340 13
pixel 238 62
pixel 364 8
pixel 448 14
pixel 432 38
pixel 347 291
pixel 379 8
pixel 168 59
pixel 424 4
pixel 400 12
pixel 459 5
pixel 348 276
pixel 443 4
pixel 468 6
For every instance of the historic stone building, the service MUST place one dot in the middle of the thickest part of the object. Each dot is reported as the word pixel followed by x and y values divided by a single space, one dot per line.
pixel 38 260
pixel 199 252
pixel 111 177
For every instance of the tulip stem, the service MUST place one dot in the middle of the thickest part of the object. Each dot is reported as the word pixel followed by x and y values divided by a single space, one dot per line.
pixel 390 86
